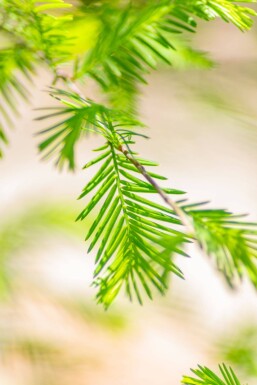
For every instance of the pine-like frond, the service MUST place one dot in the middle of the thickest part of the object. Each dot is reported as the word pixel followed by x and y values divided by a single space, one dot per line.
pixel 131 41
pixel 49 31
pixel 15 64
pixel 62 137
pixel 79 117
pixel 130 230
pixel 32 35
pixel 35 24
pixel 136 237
pixel 205 376
pixel 128 226
pixel 134 39
pixel 227 10
pixel 230 241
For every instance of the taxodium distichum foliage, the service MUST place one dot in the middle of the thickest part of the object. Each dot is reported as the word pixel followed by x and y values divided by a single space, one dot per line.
pixel 115 44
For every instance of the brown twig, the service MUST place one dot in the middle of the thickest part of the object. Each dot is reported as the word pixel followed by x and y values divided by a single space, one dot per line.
pixel 180 213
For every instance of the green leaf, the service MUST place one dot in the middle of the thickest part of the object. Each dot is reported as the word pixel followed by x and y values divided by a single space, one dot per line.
pixel 205 376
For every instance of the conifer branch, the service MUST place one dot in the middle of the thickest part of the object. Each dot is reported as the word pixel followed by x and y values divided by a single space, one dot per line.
pixel 222 235
pixel 138 237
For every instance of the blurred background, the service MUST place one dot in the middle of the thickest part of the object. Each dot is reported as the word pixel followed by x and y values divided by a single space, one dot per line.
pixel 203 128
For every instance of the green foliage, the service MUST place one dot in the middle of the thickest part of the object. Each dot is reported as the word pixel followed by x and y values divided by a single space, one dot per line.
pixel 130 42
pixel 228 10
pixel 130 230
pixel 83 117
pixel 30 36
pixel 136 237
pixel 230 241
pixel 12 61
pixel 35 25
pixel 133 40
pixel 205 376
pixel 116 44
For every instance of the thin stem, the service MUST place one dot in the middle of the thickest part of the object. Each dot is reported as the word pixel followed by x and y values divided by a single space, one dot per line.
pixel 119 184
pixel 180 213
